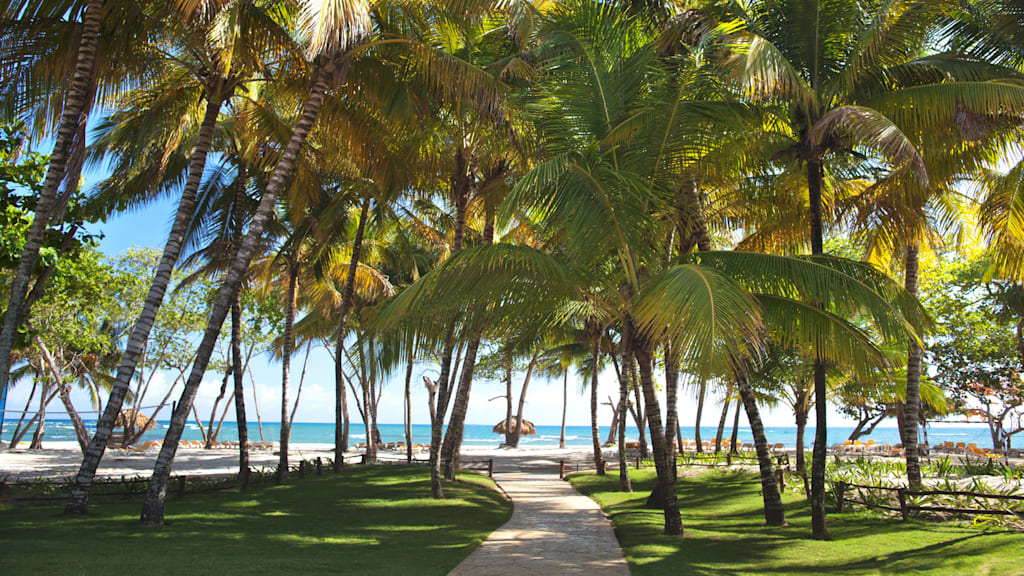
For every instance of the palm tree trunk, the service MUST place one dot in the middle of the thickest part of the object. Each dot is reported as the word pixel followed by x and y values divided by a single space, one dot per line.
pixel 408 408
pixel 79 97
pixel 508 400
pixel 340 407
pixel 340 400
pixel 79 500
pixel 153 507
pixel 236 365
pixel 236 336
pixel 912 404
pixel 639 414
pixel 733 448
pixel 595 434
pixel 522 400
pixel 722 419
pixel 565 401
pixel 700 226
pixel 666 479
pixel 440 409
pixel 460 186
pixel 286 364
pixel 774 514
pixel 627 358
pixel 368 429
pixel 819 529
pixel 700 410
pixel 671 403
pixel 453 437
pixel 801 429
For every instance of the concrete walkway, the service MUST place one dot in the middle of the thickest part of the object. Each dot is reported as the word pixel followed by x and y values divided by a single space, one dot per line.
pixel 553 529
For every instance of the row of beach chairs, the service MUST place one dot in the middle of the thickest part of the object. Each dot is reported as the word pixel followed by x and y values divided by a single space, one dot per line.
pixel 709 445
pixel 155 445
pixel 869 447
pixel 400 446
pixel 973 449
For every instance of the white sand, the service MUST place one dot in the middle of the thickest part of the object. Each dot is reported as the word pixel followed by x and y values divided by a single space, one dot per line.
pixel 62 459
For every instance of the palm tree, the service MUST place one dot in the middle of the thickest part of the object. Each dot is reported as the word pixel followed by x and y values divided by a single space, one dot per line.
pixel 331 30
pixel 556 362
pixel 215 74
pixel 79 96
pixel 849 77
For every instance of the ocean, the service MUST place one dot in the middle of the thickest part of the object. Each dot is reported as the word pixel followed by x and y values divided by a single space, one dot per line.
pixel 477 435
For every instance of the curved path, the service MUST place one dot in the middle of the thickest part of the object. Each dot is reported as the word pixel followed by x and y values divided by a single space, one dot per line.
pixel 553 529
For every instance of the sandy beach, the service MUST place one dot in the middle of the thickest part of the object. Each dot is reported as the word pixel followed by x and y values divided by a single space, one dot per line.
pixel 62 459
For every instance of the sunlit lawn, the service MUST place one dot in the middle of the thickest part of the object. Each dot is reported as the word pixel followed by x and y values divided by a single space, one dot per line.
pixel 726 536
pixel 368 520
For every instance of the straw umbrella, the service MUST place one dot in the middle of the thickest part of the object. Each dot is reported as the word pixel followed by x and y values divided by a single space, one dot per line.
pixel 528 428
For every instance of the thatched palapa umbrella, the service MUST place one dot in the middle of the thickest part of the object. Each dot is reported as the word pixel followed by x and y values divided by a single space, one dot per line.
pixel 528 428
pixel 134 419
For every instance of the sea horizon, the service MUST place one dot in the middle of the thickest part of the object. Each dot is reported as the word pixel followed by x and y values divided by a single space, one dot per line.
pixel 480 435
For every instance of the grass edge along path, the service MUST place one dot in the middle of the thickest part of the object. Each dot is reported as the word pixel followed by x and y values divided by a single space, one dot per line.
pixel 726 535
pixel 367 520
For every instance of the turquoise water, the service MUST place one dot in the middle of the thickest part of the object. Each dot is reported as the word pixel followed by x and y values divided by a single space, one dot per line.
pixel 481 435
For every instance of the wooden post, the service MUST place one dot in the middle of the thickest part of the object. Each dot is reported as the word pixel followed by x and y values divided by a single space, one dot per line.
pixel 728 458
pixel 3 485
pixel 902 493
pixel 490 468
pixel 561 469
pixel 181 486
pixel 780 479
pixel 363 459
pixel 302 468
pixel 319 466
pixel 840 495
pixel 637 462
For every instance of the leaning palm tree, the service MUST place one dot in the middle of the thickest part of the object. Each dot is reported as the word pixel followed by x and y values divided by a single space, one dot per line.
pixel 194 89
pixel 35 76
pixel 79 97
pixel 330 32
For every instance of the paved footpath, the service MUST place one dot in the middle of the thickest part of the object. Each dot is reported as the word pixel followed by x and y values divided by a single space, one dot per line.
pixel 553 529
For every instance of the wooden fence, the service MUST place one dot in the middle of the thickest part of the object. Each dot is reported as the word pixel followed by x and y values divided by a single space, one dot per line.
pixel 695 459
pixel 906 507
pixel 479 465
pixel 55 490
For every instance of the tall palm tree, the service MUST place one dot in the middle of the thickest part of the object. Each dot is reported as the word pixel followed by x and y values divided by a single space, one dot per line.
pixel 331 30
pixel 850 78
pixel 213 76
pixel 79 97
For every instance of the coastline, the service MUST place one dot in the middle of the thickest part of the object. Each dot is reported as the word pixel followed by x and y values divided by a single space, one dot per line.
pixel 61 459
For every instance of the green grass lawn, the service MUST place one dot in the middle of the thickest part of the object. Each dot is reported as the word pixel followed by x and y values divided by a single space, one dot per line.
pixel 368 520
pixel 726 536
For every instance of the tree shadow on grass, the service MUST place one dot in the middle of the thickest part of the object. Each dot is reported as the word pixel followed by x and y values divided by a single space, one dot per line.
pixel 365 521
pixel 726 535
